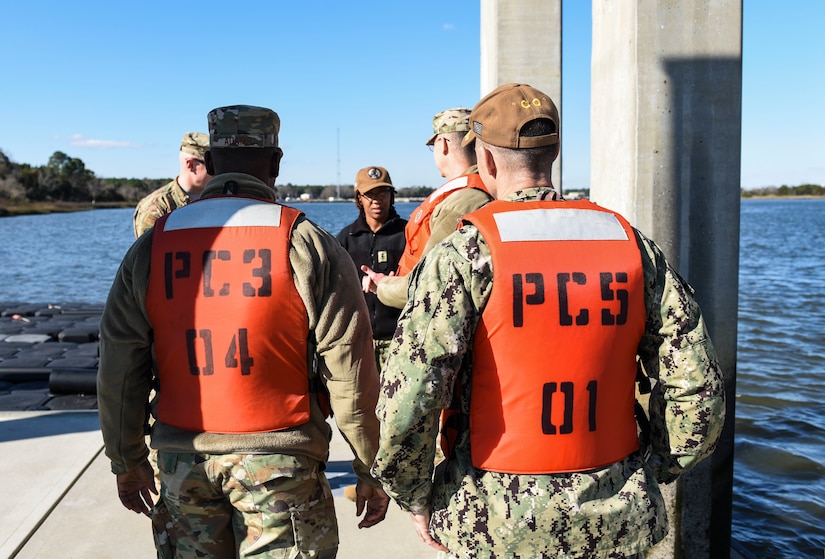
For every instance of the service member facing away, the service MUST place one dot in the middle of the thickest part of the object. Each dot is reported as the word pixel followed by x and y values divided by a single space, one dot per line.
pixel 439 214
pixel 185 188
pixel 532 316
pixel 252 313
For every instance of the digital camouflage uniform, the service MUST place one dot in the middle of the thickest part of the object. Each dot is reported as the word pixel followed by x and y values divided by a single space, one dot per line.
pixel 170 196
pixel 616 511
pixel 281 471
pixel 299 517
pixel 160 202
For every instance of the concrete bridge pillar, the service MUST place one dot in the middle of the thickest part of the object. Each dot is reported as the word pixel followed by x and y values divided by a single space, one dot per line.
pixel 666 93
pixel 521 42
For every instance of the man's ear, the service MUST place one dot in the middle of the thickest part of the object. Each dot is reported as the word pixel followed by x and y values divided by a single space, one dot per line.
pixel 191 164
pixel 486 159
pixel 210 166
pixel 275 163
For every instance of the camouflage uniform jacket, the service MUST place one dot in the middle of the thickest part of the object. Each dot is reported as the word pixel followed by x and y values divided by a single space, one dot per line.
pixel 160 202
pixel 392 291
pixel 327 282
pixel 610 512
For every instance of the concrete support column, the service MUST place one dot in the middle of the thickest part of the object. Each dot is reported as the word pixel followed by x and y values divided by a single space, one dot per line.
pixel 666 96
pixel 521 42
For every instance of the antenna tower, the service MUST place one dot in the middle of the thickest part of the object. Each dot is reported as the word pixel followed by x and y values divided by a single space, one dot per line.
pixel 338 147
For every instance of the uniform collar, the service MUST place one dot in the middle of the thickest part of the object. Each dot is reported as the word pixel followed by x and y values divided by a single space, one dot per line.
pixel 533 193
pixel 244 185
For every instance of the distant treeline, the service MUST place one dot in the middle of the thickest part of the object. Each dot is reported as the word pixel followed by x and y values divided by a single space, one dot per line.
pixel 66 179
pixel 801 190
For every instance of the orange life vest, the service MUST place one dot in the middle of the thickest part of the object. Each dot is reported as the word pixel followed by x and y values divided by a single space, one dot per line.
pixel 554 356
pixel 230 329
pixel 417 230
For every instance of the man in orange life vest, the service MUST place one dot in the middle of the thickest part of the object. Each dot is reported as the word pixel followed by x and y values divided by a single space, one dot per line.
pixel 526 325
pixel 440 213
pixel 238 300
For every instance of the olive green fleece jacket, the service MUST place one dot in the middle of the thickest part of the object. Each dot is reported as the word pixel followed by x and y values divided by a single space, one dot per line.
pixel 328 284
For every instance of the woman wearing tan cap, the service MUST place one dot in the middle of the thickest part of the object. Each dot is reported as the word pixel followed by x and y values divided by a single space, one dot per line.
pixel 376 239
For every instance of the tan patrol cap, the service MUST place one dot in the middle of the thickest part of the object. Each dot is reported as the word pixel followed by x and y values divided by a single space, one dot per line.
pixel 451 120
pixel 243 126
pixel 370 178
pixel 500 116
pixel 195 143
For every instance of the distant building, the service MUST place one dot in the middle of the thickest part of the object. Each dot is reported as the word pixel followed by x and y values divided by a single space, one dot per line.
pixel 576 194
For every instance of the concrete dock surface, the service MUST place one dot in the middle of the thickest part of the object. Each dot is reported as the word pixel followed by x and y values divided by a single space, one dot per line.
pixel 60 498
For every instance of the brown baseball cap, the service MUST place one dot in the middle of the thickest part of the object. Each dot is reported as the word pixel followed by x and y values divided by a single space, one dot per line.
pixel 499 117
pixel 370 178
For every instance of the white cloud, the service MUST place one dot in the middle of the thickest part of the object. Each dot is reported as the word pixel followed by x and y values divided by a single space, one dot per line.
pixel 78 140
pixel 448 27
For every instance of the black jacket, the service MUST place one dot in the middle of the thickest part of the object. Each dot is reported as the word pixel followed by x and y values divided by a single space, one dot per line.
pixel 380 251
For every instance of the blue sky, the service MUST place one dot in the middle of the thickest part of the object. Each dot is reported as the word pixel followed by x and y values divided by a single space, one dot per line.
pixel 355 83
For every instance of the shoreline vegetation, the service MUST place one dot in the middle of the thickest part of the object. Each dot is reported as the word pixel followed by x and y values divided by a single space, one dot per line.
pixel 10 209
pixel 64 184
pixel 25 207
pixel 781 197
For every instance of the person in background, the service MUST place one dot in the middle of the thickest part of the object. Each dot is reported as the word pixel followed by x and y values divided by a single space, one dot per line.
pixel 441 211
pixel 376 239
pixel 526 328
pixel 186 187
pixel 236 302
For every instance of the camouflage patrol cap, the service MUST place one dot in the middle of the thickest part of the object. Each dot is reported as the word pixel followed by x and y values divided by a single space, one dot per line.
pixel 498 119
pixel 451 120
pixel 195 143
pixel 242 126
pixel 370 178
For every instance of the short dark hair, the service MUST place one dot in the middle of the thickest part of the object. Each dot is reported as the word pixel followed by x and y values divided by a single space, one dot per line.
pixel 468 152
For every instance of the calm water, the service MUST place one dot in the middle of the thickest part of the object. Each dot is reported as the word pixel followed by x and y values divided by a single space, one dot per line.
pixel 779 480
pixel 73 257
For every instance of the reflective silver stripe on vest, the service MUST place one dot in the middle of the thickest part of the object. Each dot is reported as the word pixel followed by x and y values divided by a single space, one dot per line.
pixel 456 183
pixel 563 224
pixel 224 212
